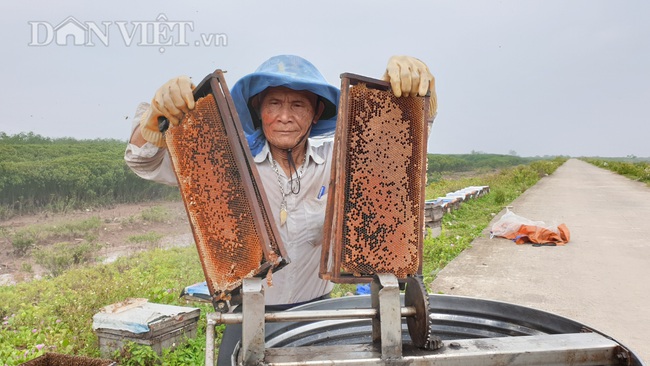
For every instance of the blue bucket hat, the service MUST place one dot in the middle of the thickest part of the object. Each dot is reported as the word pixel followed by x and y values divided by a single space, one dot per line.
pixel 290 71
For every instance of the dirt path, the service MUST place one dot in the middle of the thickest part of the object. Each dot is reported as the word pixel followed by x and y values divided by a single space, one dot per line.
pixel 118 224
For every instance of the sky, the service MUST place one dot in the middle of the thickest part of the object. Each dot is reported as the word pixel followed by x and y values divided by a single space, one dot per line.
pixel 524 77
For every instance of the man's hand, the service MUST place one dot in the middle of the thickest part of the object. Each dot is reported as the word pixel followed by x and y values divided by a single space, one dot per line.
pixel 409 76
pixel 172 101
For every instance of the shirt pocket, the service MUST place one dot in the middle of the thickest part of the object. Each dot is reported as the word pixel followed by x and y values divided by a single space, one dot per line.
pixel 315 219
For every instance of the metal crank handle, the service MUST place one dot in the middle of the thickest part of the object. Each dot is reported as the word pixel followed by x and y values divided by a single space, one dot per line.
pixel 163 124
pixel 306 315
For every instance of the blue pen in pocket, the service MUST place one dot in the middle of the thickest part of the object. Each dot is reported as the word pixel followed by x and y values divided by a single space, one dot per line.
pixel 321 193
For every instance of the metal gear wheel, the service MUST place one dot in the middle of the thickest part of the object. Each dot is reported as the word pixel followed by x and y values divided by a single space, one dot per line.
pixel 418 325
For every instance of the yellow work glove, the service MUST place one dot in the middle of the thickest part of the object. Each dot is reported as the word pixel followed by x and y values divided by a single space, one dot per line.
pixel 409 76
pixel 172 101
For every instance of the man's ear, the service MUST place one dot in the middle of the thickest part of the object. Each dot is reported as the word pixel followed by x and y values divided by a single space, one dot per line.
pixel 256 104
pixel 320 107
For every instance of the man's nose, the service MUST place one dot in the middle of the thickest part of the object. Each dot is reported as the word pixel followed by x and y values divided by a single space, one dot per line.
pixel 284 113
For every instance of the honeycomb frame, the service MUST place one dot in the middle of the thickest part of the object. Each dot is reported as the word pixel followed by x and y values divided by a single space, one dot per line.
pixel 375 210
pixel 229 215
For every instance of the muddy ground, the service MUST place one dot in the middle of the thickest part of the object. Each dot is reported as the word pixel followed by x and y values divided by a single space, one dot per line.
pixel 118 224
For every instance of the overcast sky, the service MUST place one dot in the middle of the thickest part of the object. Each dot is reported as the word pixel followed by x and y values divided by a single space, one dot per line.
pixel 543 77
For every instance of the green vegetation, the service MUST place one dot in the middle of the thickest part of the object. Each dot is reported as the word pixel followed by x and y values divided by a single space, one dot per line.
pixel 55 314
pixel 154 214
pixel 133 354
pixel 438 164
pixel 59 257
pixel 190 353
pixel 462 226
pixel 148 238
pixel 39 173
pixel 466 162
pixel 59 175
pixel 28 238
pixel 639 170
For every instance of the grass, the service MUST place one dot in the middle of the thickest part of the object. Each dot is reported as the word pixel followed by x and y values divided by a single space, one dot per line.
pixel 55 314
pixel 638 170
pixel 150 238
pixel 154 214
pixel 57 247
pixel 25 239
pixel 461 227
pixel 59 257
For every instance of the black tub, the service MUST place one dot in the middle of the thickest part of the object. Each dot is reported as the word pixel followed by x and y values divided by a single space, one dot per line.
pixel 453 318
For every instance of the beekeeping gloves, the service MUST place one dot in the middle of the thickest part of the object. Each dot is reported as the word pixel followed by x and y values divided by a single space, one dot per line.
pixel 172 101
pixel 409 76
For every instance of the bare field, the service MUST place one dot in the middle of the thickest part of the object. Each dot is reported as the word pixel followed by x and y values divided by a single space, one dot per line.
pixel 118 224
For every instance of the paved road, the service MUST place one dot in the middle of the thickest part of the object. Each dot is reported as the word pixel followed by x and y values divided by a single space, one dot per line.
pixel 601 278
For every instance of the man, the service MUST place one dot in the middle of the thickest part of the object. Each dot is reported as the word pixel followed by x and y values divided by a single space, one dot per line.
pixel 288 113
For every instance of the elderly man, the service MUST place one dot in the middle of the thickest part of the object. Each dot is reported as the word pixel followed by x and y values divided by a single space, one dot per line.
pixel 288 113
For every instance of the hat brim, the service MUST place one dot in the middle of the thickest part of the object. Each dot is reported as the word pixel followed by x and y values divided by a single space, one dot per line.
pixel 260 81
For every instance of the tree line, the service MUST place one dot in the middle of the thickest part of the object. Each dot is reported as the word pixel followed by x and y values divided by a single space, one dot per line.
pixel 467 162
pixel 57 174
pixel 61 174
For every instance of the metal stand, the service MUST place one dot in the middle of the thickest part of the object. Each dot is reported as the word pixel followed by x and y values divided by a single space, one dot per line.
pixel 387 327
pixel 387 349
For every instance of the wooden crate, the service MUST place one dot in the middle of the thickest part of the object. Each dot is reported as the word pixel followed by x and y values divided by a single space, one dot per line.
pixel 166 327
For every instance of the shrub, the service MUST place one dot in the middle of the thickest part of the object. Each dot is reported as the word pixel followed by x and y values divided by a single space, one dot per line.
pixel 154 214
pixel 60 175
pixel 77 229
pixel 149 238
pixel 61 256
pixel 23 241
pixel 133 354
pixel 639 171
pixel 499 196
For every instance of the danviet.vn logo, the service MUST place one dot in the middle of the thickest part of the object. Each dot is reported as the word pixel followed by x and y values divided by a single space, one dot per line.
pixel 160 32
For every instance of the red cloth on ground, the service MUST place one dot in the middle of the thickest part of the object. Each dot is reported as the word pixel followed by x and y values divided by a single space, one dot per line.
pixel 540 235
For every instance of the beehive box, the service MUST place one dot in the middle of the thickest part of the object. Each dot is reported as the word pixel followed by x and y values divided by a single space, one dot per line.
pixel 156 325
pixel 433 213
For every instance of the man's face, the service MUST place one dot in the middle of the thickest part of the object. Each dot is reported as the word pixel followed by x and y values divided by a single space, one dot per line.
pixel 287 115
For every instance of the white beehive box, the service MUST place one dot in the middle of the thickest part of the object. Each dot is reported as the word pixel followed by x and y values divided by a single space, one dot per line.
pixel 157 325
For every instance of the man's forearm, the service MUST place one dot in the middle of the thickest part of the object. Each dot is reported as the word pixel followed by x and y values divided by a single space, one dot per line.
pixel 146 159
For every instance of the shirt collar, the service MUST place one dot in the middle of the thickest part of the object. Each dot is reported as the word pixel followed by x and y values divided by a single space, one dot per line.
pixel 265 153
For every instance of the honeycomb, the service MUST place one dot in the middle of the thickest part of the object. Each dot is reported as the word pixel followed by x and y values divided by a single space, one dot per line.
pixel 231 228
pixel 381 169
